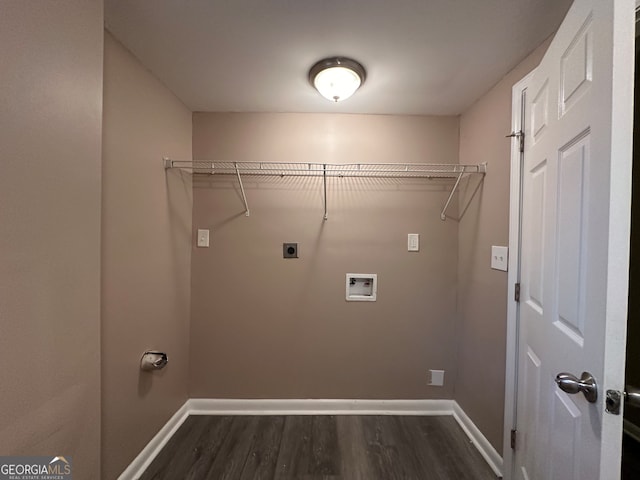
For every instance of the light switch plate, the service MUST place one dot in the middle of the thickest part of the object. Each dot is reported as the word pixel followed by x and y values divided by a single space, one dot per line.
pixel 203 238
pixel 499 258
pixel 413 242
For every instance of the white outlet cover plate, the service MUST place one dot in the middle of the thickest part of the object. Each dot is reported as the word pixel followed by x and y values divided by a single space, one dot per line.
pixel 203 238
pixel 499 258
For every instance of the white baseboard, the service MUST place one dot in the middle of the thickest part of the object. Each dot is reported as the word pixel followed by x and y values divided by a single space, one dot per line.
pixel 206 406
pixel 491 456
pixel 152 449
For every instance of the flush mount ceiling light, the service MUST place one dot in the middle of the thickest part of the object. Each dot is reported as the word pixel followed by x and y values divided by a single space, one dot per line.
pixel 337 78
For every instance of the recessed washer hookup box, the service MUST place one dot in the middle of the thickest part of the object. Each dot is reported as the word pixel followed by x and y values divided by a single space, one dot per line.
pixel 361 287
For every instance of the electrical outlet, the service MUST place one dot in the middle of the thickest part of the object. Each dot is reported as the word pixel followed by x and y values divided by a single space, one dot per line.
pixel 289 250
pixel 436 378
pixel 203 238
pixel 499 258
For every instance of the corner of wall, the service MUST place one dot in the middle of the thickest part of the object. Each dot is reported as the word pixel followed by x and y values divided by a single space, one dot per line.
pixel 482 302
pixel 146 249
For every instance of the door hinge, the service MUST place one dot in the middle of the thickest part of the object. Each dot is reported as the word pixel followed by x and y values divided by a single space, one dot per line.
pixel 513 439
pixel 516 295
pixel 520 136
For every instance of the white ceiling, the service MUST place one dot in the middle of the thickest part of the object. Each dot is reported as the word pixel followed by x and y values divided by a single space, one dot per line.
pixel 421 56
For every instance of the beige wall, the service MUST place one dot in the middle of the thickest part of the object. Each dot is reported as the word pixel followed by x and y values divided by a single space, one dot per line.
pixel 50 123
pixel 146 233
pixel 482 301
pixel 263 326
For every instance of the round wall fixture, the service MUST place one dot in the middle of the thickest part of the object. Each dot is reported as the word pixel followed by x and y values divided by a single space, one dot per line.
pixel 337 78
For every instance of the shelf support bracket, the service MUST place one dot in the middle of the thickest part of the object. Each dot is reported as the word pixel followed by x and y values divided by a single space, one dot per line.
pixel 443 214
pixel 244 197
pixel 324 184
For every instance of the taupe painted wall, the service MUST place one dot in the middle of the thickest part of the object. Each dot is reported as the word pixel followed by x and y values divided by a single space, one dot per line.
pixel 145 256
pixel 50 124
pixel 266 327
pixel 482 301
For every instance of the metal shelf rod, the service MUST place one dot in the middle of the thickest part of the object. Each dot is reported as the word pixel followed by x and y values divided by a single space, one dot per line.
pixel 324 183
pixel 244 197
pixel 443 214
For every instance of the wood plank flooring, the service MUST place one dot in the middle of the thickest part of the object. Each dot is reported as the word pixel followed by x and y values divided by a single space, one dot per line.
pixel 319 447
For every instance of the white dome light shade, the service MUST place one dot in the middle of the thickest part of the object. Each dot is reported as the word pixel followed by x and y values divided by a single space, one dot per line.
pixel 337 83
pixel 337 78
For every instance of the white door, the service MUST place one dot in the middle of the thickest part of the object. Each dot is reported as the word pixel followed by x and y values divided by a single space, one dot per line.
pixel 575 233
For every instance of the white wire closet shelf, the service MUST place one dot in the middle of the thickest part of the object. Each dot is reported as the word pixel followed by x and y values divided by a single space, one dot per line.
pixel 341 170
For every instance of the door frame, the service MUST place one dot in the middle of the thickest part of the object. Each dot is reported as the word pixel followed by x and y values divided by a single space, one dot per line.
pixel 617 292
pixel 513 274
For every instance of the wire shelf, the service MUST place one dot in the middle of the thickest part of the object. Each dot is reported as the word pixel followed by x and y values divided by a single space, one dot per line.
pixel 324 170
pixel 282 169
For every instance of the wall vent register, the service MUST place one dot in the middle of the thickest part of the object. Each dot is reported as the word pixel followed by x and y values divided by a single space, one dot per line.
pixel 362 287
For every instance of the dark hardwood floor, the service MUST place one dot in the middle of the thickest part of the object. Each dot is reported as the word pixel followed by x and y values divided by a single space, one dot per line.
pixel 319 447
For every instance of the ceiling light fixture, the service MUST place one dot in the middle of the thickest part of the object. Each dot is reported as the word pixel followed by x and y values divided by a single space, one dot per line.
pixel 337 78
